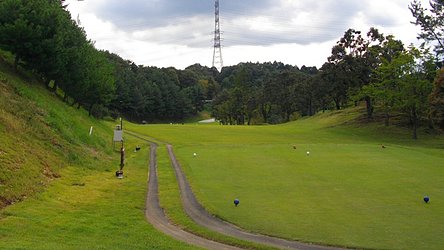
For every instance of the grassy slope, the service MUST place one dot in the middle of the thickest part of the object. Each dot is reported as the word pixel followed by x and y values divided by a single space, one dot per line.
pixel 40 135
pixel 348 192
pixel 65 178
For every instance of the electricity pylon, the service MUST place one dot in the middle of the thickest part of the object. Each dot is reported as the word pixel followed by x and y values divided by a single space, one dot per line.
pixel 217 50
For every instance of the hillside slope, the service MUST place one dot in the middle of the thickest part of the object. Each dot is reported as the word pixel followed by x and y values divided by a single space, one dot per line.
pixel 40 135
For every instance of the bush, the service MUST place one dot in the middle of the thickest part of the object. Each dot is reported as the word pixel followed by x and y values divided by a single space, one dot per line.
pixel 99 111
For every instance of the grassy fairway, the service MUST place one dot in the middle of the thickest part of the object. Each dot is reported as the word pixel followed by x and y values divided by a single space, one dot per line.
pixel 87 210
pixel 348 192
pixel 170 201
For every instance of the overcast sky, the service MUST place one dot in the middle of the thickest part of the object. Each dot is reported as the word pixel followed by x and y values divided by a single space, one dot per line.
pixel 179 33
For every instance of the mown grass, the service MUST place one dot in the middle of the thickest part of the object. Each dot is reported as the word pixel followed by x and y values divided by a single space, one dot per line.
pixel 171 203
pixel 87 209
pixel 349 192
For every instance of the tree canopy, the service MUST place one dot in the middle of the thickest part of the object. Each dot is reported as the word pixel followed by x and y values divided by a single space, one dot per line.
pixel 44 38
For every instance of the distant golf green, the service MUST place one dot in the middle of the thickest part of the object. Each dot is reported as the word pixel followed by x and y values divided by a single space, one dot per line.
pixel 349 191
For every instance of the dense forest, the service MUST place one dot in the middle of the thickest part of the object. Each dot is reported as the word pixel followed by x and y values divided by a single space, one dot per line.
pixel 43 38
pixel 390 78
pixel 152 94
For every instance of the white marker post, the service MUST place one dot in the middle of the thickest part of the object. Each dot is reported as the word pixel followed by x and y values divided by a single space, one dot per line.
pixel 90 130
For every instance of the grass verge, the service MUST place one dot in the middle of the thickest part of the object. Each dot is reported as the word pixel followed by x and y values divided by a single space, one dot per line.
pixel 88 209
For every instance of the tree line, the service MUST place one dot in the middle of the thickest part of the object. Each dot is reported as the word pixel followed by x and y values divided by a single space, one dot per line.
pixel 43 38
pixel 391 78
pixel 154 94
pixel 378 70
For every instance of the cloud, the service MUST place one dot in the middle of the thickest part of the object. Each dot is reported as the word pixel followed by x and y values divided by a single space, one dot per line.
pixel 300 22
pixel 310 55
pixel 249 22
pixel 191 32
pixel 143 14
pixel 179 32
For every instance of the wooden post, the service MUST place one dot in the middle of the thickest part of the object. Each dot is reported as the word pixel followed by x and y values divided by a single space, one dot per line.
pixel 122 157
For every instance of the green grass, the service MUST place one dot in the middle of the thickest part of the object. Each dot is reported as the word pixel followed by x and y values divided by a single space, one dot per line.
pixel 87 209
pixel 348 192
pixel 57 183
pixel 171 203
pixel 41 135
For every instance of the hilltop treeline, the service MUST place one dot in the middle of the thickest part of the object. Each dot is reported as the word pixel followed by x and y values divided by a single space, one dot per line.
pixel 154 94
pixel 43 38
pixel 390 78
pixel 253 93
pixel 363 67
pixel 378 70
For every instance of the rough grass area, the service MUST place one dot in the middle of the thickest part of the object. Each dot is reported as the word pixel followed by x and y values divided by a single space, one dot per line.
pixel 40 135
pixel 87 209
pixel 350 191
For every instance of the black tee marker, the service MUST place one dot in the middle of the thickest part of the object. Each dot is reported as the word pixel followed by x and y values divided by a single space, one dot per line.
pixel 236 202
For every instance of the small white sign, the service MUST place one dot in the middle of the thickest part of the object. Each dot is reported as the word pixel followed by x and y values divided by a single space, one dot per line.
pixel 118 135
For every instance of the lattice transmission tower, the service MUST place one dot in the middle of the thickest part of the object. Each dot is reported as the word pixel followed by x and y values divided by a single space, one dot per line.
pixel 217 51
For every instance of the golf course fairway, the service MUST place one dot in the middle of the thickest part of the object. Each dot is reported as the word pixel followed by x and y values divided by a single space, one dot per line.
pixel 360 185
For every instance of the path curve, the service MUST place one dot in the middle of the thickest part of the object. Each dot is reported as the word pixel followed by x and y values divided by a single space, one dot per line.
pixel 198 213
pixel 156 216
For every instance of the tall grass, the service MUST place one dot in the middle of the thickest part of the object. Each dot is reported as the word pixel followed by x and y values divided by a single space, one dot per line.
pixel 40 135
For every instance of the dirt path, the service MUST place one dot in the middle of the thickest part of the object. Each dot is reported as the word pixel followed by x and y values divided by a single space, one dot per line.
pixel 156 216
pixel 202 217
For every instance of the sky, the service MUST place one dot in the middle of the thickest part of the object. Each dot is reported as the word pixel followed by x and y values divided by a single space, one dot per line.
pixel 180 33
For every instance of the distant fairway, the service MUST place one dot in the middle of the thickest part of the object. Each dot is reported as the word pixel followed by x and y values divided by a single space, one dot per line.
pixel 350 191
